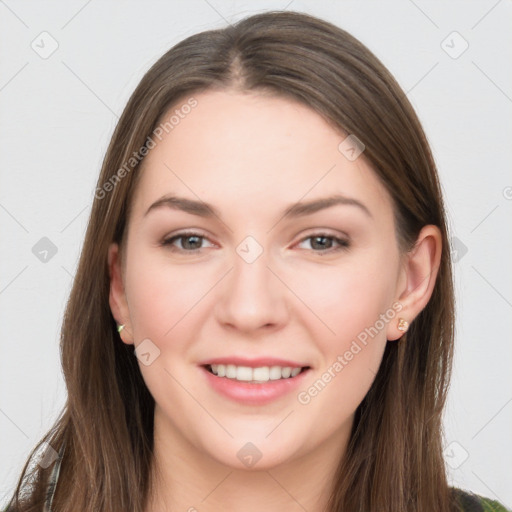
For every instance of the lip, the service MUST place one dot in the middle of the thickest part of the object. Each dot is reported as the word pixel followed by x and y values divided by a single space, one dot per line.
pixel 253 394
pixel 254 363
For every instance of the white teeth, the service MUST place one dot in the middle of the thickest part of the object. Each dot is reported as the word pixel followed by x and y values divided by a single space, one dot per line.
pixel 262 373
pixel 244 373
pixel 248 374
pixel 296 371
pixel 275 372
pixel 231 371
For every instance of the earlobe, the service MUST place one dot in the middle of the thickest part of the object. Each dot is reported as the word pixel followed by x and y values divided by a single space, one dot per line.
pixel 418 279
pixel 117 297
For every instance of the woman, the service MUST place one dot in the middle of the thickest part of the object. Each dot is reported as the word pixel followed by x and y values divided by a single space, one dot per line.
pixel 262 316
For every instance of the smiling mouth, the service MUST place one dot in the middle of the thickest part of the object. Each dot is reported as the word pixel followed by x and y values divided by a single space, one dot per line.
pixel 259 375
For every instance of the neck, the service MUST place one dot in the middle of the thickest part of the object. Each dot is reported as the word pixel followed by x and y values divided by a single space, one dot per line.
pixel 186 478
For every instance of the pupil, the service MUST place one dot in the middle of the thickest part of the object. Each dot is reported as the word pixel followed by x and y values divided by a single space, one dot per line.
pixel 322 245
pixel 188 238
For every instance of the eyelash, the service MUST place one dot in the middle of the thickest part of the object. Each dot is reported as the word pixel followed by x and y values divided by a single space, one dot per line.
pixel 343 244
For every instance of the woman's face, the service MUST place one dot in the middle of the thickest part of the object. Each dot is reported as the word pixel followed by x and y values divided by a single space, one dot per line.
pixel 239 281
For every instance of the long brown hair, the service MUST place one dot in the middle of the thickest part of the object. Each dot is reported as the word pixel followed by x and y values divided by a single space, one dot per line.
pixel 394 460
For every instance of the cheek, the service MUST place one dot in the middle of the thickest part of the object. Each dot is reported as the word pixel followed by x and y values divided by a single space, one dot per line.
pixel 354 304
pixel 164 302
pixel 350 357
pixel 345 300
pixel 161 296
pixel 352 307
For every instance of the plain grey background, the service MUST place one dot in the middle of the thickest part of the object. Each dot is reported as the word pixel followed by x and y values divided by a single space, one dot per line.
pixel 66 72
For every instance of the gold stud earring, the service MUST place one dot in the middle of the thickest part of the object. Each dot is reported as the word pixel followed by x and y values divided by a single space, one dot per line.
pixel 403 325
pixel 120 328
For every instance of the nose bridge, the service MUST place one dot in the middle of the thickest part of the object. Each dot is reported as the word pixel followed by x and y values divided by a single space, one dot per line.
pixel 253 295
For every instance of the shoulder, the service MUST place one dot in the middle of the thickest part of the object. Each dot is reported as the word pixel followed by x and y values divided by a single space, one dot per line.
pixel 471 502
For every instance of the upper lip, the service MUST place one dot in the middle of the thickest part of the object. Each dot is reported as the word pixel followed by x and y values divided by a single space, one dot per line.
pixel 253 363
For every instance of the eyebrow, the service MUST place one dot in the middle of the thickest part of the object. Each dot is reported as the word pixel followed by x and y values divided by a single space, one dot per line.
pixel 299 209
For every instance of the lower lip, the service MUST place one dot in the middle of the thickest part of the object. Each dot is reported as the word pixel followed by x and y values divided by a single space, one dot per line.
pixel 254 394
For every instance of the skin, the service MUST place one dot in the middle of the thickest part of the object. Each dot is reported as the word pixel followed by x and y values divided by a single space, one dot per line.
pixel 298 300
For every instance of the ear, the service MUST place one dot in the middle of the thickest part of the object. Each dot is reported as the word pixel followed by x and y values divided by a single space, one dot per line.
pixel 417 277
pixel 117 297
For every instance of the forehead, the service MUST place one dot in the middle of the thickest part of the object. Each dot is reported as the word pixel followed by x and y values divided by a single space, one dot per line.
pixel 250 149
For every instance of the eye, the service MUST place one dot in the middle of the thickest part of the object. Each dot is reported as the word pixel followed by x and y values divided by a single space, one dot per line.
pixel 191 242
pixel 324 242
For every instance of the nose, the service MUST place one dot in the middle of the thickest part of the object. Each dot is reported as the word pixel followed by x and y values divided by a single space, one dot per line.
pixel 252 298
